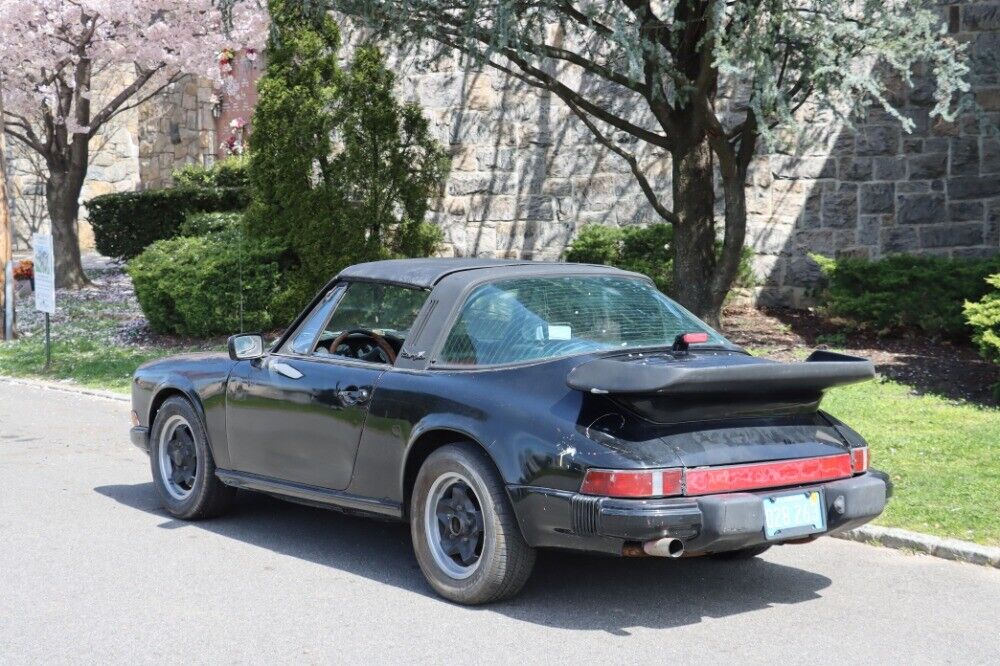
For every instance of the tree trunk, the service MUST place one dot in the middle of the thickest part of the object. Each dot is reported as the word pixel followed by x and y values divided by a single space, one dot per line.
pixel 694 231
pixel 63 197
pixel 735 194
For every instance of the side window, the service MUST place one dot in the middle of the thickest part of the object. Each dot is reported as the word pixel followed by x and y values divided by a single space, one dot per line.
pixel 384 314
pixel 305 336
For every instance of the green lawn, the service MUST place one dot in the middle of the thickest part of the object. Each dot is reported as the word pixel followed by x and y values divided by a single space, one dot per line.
pixel 86 339
pixel 91 363
pixel 944 458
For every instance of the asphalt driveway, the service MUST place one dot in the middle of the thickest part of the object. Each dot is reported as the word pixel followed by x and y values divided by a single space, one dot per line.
pixel 91 570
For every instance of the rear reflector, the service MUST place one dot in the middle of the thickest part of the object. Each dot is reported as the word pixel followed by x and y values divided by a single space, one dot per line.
pixel 707 480
pixel 731 478
pixel 639 483
pixel 859 459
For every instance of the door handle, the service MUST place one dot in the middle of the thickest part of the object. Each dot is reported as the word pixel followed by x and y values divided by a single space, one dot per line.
pixel 354 395
pixel 287 370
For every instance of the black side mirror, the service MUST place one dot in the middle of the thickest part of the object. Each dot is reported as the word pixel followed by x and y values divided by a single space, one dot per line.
pixel 246 346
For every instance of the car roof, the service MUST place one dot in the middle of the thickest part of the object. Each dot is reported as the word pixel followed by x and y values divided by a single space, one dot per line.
pixel 426 273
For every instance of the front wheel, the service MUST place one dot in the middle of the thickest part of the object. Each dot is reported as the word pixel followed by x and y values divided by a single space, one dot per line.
pixel 465 535
pixel 182 464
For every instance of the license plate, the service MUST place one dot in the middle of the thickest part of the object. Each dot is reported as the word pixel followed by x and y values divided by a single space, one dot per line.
pixel 794 514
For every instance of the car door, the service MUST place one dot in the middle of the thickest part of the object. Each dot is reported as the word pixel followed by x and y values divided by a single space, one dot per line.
pixel 297 414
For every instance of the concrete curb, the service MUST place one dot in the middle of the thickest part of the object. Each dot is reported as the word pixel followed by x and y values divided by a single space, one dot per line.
pixel 65 388
pixel 949 549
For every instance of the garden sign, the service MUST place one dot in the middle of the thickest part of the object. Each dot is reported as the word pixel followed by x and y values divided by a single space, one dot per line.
pixel 45 284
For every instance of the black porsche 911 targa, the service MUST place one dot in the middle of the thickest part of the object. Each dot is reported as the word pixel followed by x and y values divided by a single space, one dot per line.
pixel 504 406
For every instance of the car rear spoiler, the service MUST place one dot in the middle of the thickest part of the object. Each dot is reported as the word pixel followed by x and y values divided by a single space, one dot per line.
pixel 730 375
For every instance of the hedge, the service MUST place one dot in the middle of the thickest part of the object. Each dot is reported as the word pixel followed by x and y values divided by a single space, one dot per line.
pixel 904 292
pixel 643 250
pixel 230 172
pixel 215 284
pixel 125 223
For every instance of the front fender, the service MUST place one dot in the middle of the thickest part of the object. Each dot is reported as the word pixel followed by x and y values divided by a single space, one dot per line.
pixel 201 380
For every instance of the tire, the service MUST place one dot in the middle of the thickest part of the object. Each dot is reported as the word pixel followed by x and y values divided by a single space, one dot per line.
pixel 499 562
pixel 182 464
pixel 743 553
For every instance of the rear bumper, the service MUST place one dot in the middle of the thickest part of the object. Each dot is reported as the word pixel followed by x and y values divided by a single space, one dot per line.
pixel 712 523
pixel 140 437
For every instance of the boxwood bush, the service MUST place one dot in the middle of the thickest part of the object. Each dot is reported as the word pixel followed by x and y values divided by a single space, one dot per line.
pixel 643 250
pixel 903 292
pixel 218 283
pixel 199 224
pixel 983 317
pixel 230 172
pixel 126 223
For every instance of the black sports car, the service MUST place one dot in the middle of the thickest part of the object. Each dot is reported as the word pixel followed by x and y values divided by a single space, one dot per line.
pixel 504 406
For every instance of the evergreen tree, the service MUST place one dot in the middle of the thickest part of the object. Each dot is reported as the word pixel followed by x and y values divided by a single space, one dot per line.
pixel 341 171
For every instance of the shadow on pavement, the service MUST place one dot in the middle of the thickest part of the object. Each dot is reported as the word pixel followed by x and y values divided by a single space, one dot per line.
pixel 567 590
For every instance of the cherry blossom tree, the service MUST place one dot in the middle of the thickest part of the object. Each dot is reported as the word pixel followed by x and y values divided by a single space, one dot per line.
pixel 55 53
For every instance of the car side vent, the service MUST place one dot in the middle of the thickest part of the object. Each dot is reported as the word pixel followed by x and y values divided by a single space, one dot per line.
pixel 431 305
pixel 586 511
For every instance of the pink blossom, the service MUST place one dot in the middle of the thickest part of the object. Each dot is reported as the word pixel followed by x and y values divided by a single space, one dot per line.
pixel 51 49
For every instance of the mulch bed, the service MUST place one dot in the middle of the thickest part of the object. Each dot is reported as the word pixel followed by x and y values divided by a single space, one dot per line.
pixel 952 370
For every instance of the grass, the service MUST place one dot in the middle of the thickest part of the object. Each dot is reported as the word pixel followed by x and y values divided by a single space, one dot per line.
pixel 87 348
pixel 84 361
pixel 943 457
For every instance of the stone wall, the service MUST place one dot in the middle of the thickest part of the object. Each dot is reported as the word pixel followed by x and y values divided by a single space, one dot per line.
pixel 175 129
pixel 527 174
pixel 876 190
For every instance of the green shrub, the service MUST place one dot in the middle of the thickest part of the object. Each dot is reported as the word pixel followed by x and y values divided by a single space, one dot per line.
pixel 905 292
pixel 125 223
pixel 216 284
pixel 200 224
pixel 643 250
pixel 983 318
pixel 230 172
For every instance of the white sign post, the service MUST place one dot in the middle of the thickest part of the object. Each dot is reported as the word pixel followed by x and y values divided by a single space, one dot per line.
pixel 45 285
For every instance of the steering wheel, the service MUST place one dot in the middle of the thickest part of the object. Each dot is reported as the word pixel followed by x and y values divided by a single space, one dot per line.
pixel 379 340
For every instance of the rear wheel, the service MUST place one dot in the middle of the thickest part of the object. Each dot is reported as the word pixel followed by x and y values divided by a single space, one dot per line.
pixel 182 464
pixel 743 553
pixel 465 535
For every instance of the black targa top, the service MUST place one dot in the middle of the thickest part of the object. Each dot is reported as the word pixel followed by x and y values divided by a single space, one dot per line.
pixel 426 273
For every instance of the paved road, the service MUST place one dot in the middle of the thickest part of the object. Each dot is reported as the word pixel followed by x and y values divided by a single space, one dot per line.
pixel 91 570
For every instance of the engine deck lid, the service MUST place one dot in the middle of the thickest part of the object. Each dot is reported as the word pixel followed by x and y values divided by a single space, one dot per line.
pixel 705 385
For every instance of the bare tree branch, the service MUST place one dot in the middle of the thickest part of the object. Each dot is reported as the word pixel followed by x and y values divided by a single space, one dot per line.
pixel 110 109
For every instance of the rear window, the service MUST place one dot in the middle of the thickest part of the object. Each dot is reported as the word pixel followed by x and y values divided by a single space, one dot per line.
pixel 526 319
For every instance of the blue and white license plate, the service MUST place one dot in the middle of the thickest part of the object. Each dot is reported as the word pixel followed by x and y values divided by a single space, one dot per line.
pixel 794 514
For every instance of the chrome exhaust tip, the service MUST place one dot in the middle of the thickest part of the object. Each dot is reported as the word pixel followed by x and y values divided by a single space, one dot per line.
pixel 666 547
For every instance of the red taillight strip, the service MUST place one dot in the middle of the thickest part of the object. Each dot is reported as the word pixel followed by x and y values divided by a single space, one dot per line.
pixel 708 480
